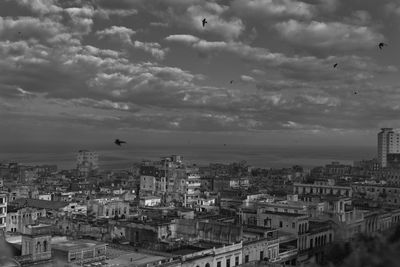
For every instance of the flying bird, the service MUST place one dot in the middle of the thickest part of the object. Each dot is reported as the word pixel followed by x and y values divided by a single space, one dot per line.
pixel 119 142
pixel 231 81
pixel 355 92
pixel 204 21
pixel 381 45
pixel 335 65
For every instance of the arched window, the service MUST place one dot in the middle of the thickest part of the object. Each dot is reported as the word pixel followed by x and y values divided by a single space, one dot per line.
pixel 38 247
pixel 44 246
pixel 207 265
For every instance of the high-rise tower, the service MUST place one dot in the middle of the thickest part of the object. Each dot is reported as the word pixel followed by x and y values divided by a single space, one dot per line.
pixel 388 144
pixel 87 161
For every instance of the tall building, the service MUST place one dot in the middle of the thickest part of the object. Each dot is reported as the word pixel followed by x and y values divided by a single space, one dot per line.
pixel 3 211
pixel 86 162
pixel 388 144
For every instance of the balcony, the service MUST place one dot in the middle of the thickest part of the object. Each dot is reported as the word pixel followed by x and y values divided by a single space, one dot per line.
pixel 285 255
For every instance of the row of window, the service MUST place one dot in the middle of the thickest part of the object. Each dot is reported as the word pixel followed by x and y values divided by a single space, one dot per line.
pixel 23 216
pixel 228 262
pixel 320 240
pixel 81 255
pixel 114 212
pixel 372 189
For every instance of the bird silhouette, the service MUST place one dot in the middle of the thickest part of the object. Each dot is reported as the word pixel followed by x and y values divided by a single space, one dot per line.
pixel 355 92
pixel 204 21
pixel 231 81
pixel 381 45
pixel 119 142
pixel 335 65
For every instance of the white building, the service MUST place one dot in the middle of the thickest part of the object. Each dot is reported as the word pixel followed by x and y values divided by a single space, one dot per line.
pixel 18 219
pixel 193 186
pixel 388 143
pixel 150 201
pixel 44 197
pixel 3 211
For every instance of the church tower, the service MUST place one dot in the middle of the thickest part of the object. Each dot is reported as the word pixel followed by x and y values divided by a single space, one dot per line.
pixel 36 242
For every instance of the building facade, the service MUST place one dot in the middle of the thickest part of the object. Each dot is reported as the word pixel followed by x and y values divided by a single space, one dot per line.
pixel 19 218
pixel 388 144
pixel 3 211
pixel 108 208
pixel 86 162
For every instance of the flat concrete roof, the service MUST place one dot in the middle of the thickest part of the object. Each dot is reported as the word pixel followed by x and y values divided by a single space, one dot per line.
pixel 287 214
pixel 68 245
pixel 129 259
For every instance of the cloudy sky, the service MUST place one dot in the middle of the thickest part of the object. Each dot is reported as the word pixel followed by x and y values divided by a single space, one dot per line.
pixel 87 71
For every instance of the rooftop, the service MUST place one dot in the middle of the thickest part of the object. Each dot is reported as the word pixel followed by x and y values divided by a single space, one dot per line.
pixel 285 213
pixel 39 203
pixel 68 245
pixel 131 258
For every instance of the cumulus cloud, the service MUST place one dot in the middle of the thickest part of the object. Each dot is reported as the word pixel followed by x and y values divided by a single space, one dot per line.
pixel 154 49
pixel 120 13
pixel 273 9
pixel 77 61
pixel 188 15
pixel 230 29
pixel 334 35
pixel 117 34
pixel 246 78
pixel 80 19
pixel 42 7
pixel 298 67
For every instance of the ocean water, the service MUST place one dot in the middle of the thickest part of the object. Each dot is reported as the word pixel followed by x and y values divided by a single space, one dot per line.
pixel 258 156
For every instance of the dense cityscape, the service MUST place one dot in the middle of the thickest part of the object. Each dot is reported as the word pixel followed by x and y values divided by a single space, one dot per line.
pixel 170 213
pixel 199 133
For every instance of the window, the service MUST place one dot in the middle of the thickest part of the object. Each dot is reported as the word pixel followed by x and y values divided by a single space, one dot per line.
pixel 38 247
pixel 228 262
pixel 280 224
pixel 261 255
pixel 207 265
pixel 44 246
pixel 218 264
pixel 311 243
pixel 293 225
pixel 236 260
pixel 246 258
pixel 72 256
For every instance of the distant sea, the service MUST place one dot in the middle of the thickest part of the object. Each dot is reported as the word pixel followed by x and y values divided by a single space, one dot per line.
pixel 258 156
